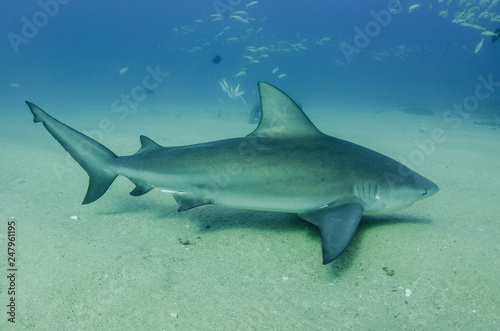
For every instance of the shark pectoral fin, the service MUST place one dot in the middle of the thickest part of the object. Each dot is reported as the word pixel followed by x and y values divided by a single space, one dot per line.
pixel 140 189
pixel 336 225
pixel 187 201
pixel 99 182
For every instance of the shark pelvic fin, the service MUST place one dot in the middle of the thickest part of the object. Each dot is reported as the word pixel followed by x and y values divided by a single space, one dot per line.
pixel 336 225
pixel 281 116
pixel 140 189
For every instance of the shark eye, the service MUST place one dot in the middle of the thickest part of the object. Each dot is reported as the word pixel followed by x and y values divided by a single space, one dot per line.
pixel 425 192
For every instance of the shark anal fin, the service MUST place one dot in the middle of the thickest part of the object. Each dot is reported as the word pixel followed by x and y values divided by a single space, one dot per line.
pixel 337 226
pixel 187 201
pixel 140 189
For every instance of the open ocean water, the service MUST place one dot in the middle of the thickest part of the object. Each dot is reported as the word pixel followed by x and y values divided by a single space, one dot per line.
pixel 418 81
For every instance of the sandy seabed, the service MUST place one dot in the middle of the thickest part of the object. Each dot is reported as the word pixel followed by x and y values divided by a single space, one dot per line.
pixel 135 263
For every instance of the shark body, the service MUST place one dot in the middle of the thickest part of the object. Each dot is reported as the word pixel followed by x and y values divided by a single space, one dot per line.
pixel 286 165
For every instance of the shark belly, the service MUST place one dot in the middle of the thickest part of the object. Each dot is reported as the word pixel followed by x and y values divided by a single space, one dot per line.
pixel 277 177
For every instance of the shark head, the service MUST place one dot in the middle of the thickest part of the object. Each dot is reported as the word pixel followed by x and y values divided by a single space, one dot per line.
pixel 396 188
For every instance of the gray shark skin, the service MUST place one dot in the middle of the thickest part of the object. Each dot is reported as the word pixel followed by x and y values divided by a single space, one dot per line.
pixel 286 165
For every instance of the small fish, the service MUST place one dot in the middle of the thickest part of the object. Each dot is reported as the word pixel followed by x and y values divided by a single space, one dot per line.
pixel 233 92
pixel 123 70
pixel 232 39
pixel 241 73
pixel 259 30
pixel 470 17
pixel 217 19
pixel 413 7
pixel 483 15
pixel 490 34
pixel 282 76
pixel 15 85
pixel 479 45
pixel 248 57
pixel 216 15
pixel 444 13
pixel 240 12
pixel 224 85
pixel 275 70
pixel 264 55
pixel 239 18
pixel 474 26
pixel 255 61
pixel 217 59
pixel 187 28
pixel 236 93
pixel 198 21
pixel 252 3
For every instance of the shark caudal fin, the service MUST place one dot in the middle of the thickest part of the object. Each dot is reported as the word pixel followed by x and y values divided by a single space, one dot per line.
pixel 93 157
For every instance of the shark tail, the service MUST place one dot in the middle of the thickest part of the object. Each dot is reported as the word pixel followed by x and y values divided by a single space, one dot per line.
pixel 94 158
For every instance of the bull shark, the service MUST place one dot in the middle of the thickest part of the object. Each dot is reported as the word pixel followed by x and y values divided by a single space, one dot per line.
pixel 285 165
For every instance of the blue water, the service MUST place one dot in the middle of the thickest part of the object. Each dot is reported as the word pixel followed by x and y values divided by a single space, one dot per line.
pixel 119 263
pixel 412 59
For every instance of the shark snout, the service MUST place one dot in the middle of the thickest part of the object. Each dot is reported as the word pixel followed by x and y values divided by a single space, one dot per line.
pixel 432 189
pixel 428 187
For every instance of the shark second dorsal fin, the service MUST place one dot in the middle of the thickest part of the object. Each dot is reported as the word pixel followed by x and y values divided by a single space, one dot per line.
pixel 147 145
pixel 281 116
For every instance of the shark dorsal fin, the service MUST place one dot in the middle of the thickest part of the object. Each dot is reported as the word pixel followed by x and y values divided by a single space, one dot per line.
pixel 147 145
pixel 281 116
